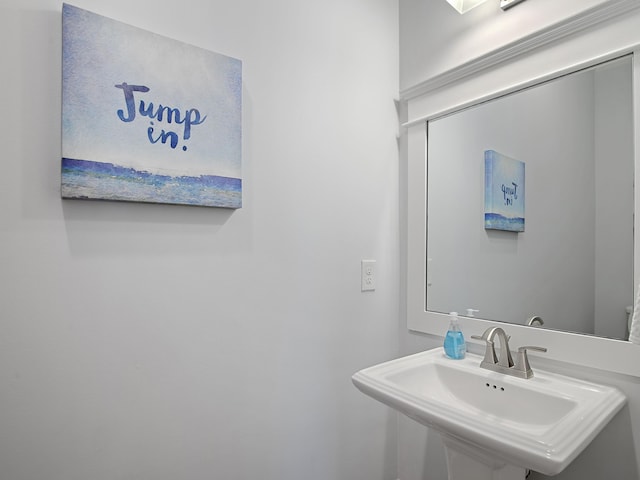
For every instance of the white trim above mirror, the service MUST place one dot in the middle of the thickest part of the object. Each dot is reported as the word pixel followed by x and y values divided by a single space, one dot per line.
pixel 490 79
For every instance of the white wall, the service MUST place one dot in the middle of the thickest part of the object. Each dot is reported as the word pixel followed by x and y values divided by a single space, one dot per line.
pixel 433 40
pixel 147 341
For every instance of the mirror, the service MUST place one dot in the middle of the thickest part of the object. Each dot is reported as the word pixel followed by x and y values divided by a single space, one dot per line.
pixel 571 141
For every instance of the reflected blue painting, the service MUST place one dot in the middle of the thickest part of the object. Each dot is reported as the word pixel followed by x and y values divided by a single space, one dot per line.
pixel 146 118
pixel 503 192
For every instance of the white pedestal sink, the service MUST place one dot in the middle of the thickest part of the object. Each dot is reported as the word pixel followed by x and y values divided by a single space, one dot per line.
pixel 494 426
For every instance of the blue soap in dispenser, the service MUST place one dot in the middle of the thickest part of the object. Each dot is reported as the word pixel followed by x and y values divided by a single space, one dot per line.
pixel 454 345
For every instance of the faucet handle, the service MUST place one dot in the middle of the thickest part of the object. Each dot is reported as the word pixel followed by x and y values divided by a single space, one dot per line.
pixel 490 356
pixel 522 361
pixel 487 335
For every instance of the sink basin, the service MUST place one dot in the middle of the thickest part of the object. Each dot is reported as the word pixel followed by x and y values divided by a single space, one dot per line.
pixel 541 423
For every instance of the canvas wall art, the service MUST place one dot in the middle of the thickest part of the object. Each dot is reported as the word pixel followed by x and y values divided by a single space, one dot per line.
pixel 504 192
pixel 146 118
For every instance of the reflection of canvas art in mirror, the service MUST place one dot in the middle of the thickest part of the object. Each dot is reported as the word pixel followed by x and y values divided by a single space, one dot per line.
pixel 503 192
pixel 146 118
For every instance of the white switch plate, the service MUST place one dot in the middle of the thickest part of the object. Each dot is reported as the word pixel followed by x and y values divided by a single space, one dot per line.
pixel 368 275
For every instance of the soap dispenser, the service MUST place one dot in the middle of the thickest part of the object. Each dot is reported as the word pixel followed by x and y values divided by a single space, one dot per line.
pixel 454 345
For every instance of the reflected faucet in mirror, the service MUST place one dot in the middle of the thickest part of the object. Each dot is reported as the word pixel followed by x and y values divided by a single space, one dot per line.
pixel 535 319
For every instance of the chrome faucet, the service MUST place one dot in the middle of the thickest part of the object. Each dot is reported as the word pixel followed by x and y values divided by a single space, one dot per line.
pixel 505 363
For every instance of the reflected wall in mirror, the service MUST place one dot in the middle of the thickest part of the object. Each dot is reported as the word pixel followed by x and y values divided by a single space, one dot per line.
pixel 573 263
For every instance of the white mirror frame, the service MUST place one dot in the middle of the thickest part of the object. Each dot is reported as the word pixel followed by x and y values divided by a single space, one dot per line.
pixel 525 64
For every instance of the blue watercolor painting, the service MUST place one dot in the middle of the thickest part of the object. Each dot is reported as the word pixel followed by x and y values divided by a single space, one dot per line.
pixel 504 192
pixel 146 118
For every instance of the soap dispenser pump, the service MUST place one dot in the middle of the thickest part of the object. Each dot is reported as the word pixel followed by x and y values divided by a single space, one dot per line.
pixel 454 344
